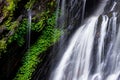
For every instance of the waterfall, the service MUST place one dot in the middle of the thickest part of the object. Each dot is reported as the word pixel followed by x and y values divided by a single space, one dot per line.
pixel 113 6
pixel 63 64
pixel 93 52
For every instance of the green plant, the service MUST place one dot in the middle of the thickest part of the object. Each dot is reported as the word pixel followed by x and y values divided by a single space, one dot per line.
pixel 19 32
pixel 30 4
pixel 43 23
pixel 10 7
pixel 38 26
pixel 3 45
pixel 49 36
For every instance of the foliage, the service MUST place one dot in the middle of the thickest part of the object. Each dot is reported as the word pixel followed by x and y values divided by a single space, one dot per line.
pixel 43 23
pixel 39 25
pixel 2 45
pixel 19 32
pixel 30 4
pixel 49 36
pixel 10 7
pixel 16 31
pixel 8 13
pixel 11 26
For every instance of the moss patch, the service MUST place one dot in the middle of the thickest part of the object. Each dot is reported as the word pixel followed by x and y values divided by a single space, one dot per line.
pixel 30 4
pixel 3 45
pixel 10 7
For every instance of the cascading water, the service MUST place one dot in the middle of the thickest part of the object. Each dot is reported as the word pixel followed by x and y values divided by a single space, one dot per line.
pixel 93 52
pixel 29 27
pixel 83 12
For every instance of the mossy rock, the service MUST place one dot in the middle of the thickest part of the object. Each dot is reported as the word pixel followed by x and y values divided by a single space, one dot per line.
pixel 3 45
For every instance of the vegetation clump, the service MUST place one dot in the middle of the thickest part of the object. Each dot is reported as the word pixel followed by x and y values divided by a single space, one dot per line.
pixel 30 4
pixel 3 46
pixel 43 23
pixel 49 36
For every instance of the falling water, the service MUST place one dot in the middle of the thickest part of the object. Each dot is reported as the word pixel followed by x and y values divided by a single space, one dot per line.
pixel 113 6
pixel 101 41
pixel 93 52
pixel 83 12
pixel 78 45
pixel 29 27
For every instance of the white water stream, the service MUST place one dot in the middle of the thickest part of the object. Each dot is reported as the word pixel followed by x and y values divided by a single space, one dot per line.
pixel 81 62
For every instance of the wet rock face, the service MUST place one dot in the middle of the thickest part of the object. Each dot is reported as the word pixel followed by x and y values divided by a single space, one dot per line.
pixel 91 6
pixel 115 5
pixel 75 12
pixel 111 4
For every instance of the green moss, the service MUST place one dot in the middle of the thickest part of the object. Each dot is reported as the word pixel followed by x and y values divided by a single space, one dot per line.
pixel 39 25
pixel 19 30
pixel 10 26
pixel 7 12
pixel 41 22
pixel 49 36
pixel 3 45
pixel 8 22
pixel 30 4
pixel 10 7
pixel 13 25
